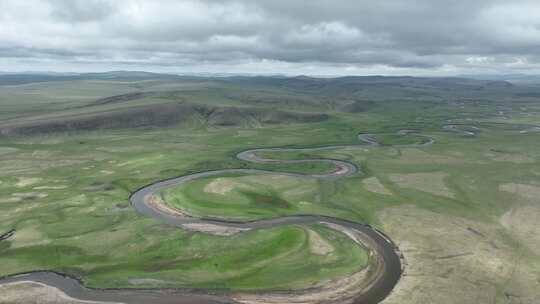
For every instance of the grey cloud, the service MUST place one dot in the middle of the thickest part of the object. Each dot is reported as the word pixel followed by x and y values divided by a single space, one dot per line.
pixel 460 35
pixel 80 10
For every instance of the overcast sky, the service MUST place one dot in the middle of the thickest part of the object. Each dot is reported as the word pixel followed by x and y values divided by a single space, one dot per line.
pixel 315 37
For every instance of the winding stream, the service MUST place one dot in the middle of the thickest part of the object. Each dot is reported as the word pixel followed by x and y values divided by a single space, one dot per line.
pixel 379 278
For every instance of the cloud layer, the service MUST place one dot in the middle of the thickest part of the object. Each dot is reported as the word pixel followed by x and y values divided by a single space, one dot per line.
pixel 278 36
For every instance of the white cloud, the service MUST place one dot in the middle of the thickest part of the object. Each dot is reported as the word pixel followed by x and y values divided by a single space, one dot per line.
pixel 332 33
pixel 513 23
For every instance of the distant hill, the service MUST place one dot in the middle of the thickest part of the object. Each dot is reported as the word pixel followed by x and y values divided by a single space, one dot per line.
pixel 158 115
pixel 298 81
pixel 514 78
pixel 25 78
pixel 128 100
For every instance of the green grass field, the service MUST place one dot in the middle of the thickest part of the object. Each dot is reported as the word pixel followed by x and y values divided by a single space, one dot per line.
pixel 67 198
pixel 249 197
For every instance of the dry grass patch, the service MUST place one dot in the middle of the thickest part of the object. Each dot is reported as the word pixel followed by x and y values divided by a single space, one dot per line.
pixel 28 196
pixel 222 185
pixel 522 219
pixel 242 133
pixel 300 190
pixel 529 192
pixel 59 187
pixel 28 236
pixel 373 184
pixel 143 281
pixel 32 167
pixel 456 260
pixel 516 158
pixel 27 181
pixel 8 200
pixel 7 150
pixel 274 180
pixel 318 245
pixel 431 182
pixel 522 222
pixel 417 156
pixel 23 197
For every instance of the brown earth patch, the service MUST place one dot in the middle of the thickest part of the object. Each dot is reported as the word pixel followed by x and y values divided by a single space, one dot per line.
pixel 27 292
pixel 157 203
pixel 213 229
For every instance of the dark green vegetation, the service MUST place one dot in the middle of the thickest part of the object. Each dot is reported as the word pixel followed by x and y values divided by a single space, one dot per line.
pixel 72 150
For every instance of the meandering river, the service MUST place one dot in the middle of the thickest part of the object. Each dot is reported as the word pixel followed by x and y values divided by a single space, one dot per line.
pixel 382 273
